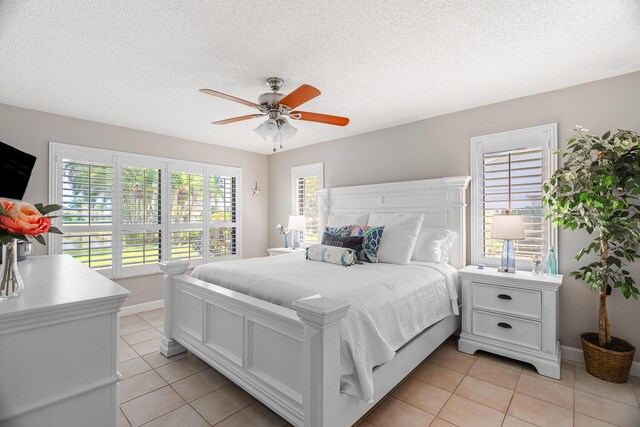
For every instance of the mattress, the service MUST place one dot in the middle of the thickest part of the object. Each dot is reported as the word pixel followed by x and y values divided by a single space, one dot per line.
pixel 390 304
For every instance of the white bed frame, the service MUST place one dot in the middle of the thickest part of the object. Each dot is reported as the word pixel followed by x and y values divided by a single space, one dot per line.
pixel 289 359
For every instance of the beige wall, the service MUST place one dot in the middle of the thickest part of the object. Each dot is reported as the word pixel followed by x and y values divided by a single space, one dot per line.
pixel 440 147
pixel 31 131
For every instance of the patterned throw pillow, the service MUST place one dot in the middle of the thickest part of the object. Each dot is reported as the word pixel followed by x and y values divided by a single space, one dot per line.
pixel 332 254
pixel 349 242
pixel 344 231
pixel 370 243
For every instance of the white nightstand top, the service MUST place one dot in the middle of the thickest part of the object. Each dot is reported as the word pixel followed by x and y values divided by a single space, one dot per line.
pixel 491 273
pixel 285 250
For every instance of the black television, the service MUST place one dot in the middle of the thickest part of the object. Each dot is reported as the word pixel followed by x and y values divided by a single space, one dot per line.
pixel 15 171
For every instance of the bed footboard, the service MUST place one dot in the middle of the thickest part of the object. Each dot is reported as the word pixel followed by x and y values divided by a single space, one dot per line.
pixel 287 359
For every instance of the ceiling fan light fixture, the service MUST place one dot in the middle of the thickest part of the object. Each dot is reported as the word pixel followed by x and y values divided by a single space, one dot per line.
pixel 267 129
pixel 286 129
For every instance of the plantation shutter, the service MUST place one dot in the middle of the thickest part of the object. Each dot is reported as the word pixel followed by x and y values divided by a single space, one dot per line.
pixel 307 205
pixel 141 217
pixel 531 163
pixel 187 215
pixel 526 199
pixel 87 212
pixel 124 213
pixel 223 216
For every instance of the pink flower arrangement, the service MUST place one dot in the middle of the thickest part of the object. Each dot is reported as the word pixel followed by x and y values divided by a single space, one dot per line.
pixel 21 220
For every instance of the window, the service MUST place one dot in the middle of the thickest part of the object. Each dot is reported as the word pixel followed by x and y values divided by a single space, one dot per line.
pixel 527 153
pixel 187 214
pixel 141 215
pixel 305 182
pixel 124 213
pixel 222 211
pixel 86 195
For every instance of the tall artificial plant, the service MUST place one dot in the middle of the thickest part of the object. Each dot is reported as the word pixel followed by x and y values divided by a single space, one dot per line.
pixel 597 189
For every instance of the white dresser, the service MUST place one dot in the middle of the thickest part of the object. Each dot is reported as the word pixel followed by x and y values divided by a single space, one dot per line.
pixel 58 346
pixel 514 315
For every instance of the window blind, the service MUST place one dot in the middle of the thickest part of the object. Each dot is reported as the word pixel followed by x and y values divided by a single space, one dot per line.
pixel 123 213
pixel 141 196
pixel 307 205
pixel 87 212
pixel 187 194
pixel 526 198
pixel 187 244
pixel 187 215
pixel 222 241
pixel 94 249
pixel 141 216
pixel 141 247
pixel 87 190
pixel 222 210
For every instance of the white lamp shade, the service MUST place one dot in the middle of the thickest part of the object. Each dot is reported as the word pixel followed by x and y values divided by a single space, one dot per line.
pixel 268 129
pixel 287 130
pixel 297 222
pixel 507 227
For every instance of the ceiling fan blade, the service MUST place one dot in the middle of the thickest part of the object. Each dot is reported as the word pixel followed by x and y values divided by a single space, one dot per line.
pixel 299 96
pixel 237 119
pixel 320 118
pixel 230 98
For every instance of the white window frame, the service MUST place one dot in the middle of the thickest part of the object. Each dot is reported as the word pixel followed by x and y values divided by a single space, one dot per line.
pixel 120 227
pixel 118 159
pixel 302 171
pixel 544 137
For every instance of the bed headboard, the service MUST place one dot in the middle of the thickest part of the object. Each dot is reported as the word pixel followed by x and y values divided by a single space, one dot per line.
pixel 442 200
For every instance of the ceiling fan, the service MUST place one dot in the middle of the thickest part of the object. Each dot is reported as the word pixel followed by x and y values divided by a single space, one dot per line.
pixel 278 106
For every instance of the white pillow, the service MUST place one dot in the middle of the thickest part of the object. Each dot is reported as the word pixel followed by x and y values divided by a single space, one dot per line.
pixel 399 236
pixel 347 219
pixel 433 245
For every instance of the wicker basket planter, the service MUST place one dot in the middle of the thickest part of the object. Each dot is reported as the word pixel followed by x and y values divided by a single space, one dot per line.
pixel 608 365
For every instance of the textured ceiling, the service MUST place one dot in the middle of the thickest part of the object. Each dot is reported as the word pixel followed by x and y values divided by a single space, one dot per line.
pixel 139 64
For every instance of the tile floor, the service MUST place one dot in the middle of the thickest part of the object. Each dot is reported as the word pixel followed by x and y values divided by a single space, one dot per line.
pixel 449 389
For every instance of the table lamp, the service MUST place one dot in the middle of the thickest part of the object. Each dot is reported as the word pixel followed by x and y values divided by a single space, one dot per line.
pixel 508 227
pixel 297 223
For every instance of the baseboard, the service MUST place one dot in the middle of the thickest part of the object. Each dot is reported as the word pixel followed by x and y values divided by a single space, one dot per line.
pixel 139 308
pixel 575 355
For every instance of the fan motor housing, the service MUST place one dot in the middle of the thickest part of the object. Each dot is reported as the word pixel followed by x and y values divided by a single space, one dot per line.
pixel 270 98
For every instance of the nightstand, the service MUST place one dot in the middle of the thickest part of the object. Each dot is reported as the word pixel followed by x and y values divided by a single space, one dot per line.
pixel 513 315
pixel 282 251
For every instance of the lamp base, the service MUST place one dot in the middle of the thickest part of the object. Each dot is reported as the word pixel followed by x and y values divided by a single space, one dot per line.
pixel 508 260
pixel 295 244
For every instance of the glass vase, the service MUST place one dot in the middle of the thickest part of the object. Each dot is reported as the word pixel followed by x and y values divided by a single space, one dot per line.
pixel 11 284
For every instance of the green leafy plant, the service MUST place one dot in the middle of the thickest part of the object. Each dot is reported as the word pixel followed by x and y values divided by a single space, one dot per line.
pixel 597 189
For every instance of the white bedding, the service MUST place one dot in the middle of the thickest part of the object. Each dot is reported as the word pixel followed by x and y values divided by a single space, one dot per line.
pixel 390 304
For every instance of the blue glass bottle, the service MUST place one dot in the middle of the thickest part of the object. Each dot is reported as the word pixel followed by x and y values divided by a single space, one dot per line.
pixel 552 263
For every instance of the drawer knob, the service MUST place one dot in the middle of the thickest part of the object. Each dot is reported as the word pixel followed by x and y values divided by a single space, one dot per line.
pixel 504 325
pixel 505 296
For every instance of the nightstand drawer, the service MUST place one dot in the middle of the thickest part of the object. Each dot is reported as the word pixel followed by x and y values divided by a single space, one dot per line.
pixel 526 333
pixel 519 302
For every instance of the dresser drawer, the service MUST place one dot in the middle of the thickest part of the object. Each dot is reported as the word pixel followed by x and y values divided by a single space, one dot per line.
pixel 519 302
pixel 526 333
